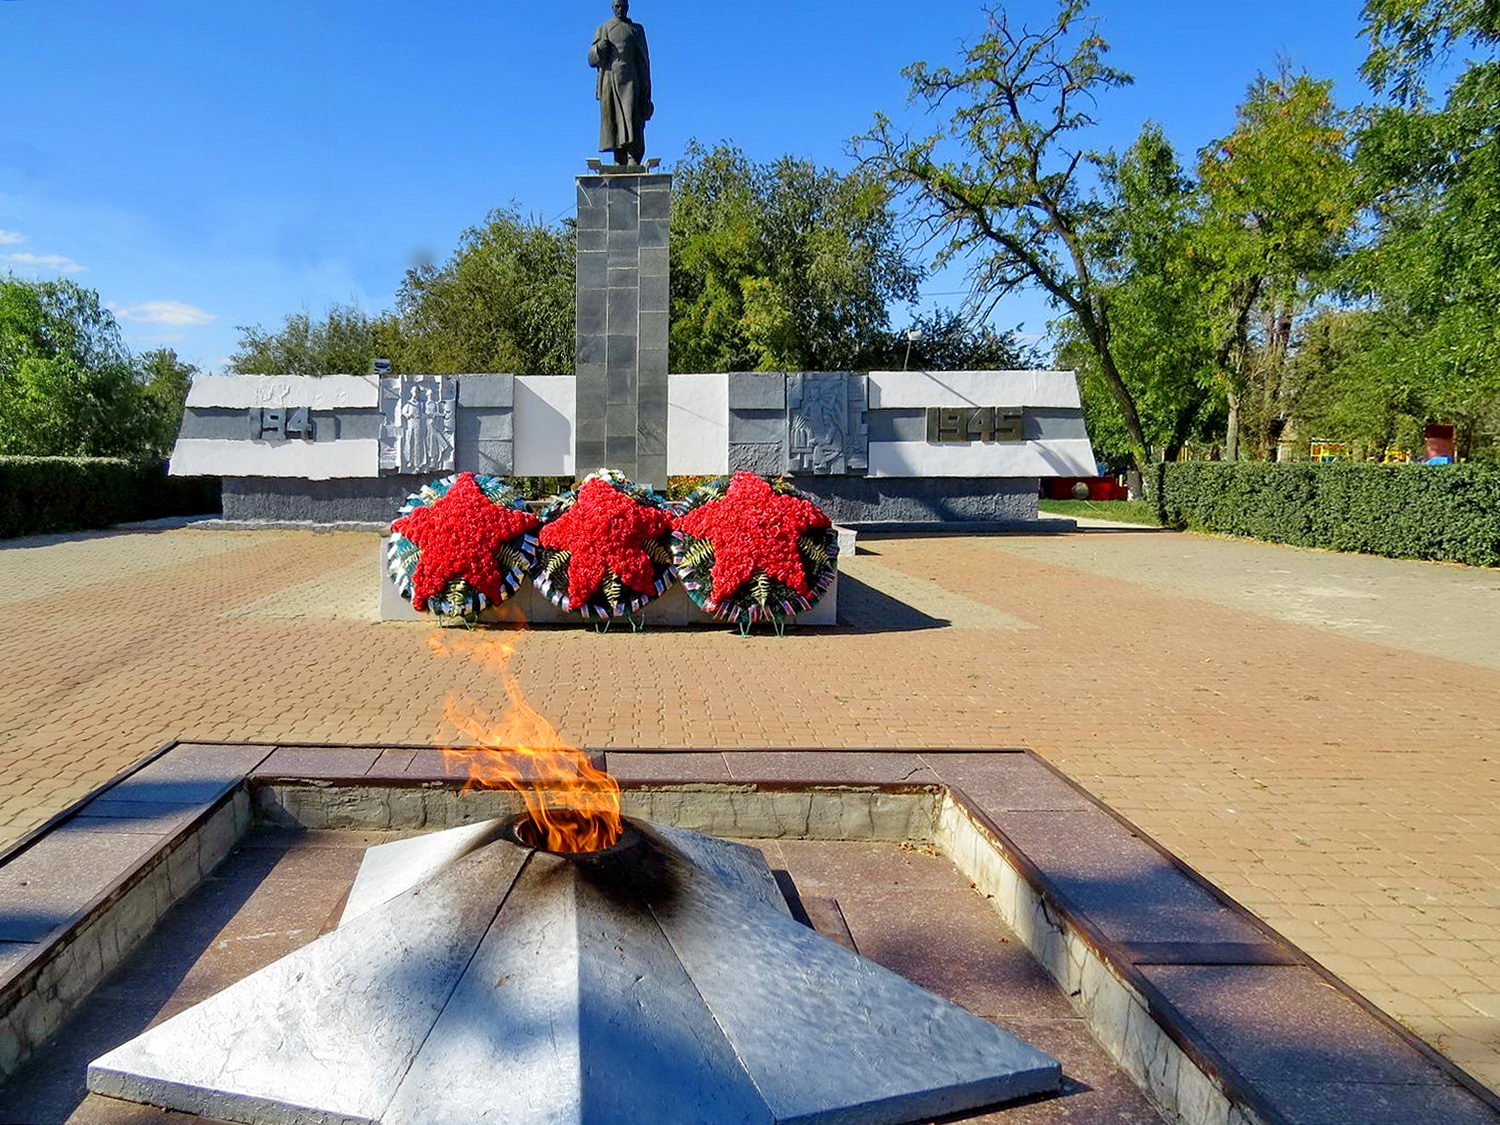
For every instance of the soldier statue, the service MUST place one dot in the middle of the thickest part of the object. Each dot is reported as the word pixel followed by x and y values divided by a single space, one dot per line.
pixel 624 85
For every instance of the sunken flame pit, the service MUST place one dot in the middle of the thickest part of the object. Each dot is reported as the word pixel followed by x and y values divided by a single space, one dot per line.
pixel 568 967
pixel 474 979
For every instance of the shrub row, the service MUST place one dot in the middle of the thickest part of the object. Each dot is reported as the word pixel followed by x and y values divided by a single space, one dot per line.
pixel 1449 512
pixel 47 494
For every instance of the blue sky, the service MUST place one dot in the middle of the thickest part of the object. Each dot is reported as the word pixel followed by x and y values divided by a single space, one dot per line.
pixel 206 165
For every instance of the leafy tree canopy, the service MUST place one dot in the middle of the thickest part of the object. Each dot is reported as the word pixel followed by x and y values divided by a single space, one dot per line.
pixel 342 342
pixel 68 385
pixel 504 301
pixel 780 266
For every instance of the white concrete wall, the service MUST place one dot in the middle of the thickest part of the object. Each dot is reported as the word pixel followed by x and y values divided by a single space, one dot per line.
pixel 327 392
pixel 1072 457
pixel 289 457
pixel 697 425
pixel 904 389
pixel 544 410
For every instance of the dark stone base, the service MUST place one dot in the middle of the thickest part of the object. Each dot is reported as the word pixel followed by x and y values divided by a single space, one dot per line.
pixel 856 501
pixel 292 500
pixel 924 500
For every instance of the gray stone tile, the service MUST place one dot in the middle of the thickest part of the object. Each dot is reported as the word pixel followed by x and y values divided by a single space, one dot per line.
pixel 1126 888
pixel 651 470
pixel 590 377
pixel 592 269
pixel 1376 1103
pixel 621 383
pixel 765 459
pixel 594 238
pixel 619 453
pixel 621 421
pixel 588 456
pixel 1284 1024
pixel 897 425
pixel 655 204
pixel 190 772
pixel 655 293
pixel 487 391
pixel 666 767
pixel 652 364
pixel 593 306
pixel 620 351
pixel 757 427
pixel 652 390
pixel 651 434
pixel 624 242
pixel 757 390
pixel 827 767
pixel 623 315
pixel 391 763
pixel 497 458
pixel 622 277
pixel 653 329
pixel 592 217
pixel 624 207
pixel 485 424
pixel 1004 781
pixel 61 873
pixel 590 349
pixel 109 808
pixel 167 821
pixel 653 234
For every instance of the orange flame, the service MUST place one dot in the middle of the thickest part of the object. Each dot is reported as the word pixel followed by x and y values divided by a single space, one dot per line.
pixel 572 805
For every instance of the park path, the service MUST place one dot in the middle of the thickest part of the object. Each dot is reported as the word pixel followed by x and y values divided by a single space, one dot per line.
pixel 1333 769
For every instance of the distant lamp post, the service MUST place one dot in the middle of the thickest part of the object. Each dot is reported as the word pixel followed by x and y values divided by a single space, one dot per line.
pixel 912 336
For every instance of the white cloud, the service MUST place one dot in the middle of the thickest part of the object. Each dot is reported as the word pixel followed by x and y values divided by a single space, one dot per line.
pixel 51 263
pixel 10 238
pixel 163 312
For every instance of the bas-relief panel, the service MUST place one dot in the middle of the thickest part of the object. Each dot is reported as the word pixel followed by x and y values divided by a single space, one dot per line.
pixel 419 419
pixel 827 434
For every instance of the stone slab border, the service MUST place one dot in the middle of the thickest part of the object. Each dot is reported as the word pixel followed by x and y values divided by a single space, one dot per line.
pixel 1213 1013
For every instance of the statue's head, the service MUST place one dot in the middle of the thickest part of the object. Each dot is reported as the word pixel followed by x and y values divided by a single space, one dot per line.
pixel 622 9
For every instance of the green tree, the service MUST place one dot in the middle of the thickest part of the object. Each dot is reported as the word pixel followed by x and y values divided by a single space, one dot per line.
pixel 1004 183
pixel 947 340
pixel 504 301
pixel 68 385
pixel 167 380
pixel 1408 36
pixel 780 266
pixel 1432 175
pixel 342 342
pixel 1154 282
pixel 1279 210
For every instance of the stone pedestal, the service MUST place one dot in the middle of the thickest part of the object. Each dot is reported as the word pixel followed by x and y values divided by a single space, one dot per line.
pixel 622 325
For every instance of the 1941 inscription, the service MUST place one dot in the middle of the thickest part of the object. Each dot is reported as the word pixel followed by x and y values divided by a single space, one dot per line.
pixel 975 423
pixel 280 422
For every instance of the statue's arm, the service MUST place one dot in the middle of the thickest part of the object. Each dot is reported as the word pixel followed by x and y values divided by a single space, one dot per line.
pixel 599 48
pixel 648 107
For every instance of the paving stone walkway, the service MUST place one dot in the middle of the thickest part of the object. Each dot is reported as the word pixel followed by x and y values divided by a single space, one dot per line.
pixel 1317 733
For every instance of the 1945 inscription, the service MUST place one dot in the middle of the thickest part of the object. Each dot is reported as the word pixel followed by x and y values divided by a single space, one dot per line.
pixel 947 424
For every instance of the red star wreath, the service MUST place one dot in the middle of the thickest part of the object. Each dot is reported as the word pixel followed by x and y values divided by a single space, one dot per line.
pixel 749 550
pixel 604 542
pixel 462 546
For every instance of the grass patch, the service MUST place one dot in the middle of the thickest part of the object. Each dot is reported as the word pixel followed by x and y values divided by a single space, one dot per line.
pixel 1122 511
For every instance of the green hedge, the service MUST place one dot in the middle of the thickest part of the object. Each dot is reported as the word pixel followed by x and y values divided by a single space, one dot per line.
pixel 46 494
pixel 1449 512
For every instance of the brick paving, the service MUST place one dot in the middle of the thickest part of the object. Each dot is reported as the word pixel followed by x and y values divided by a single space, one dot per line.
pixel 1339 779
